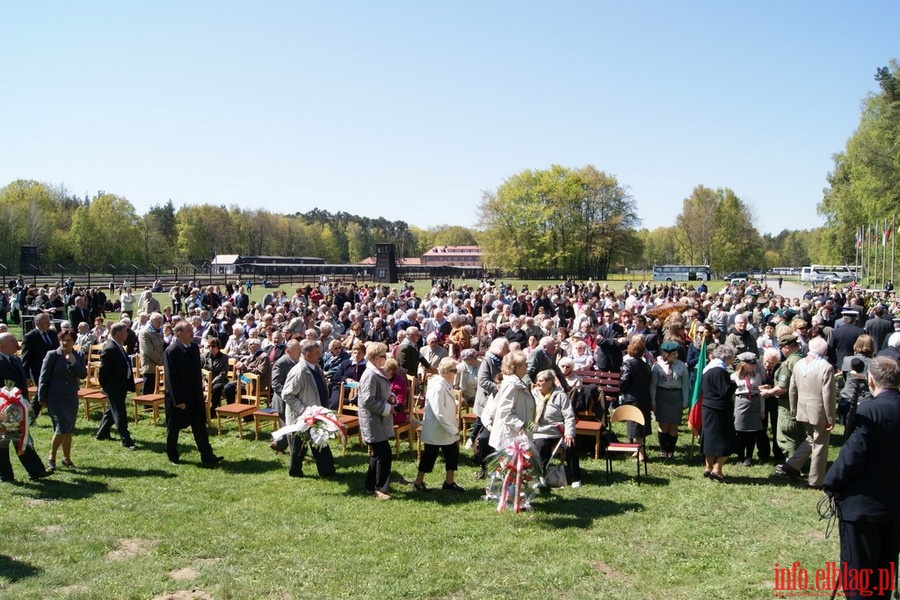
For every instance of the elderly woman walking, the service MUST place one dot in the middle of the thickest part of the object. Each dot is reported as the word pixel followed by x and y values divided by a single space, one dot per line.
pixel 440 427
pixel 717 436
pixel 376 422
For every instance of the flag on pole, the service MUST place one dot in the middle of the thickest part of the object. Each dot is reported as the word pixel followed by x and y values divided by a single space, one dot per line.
pixel 695 414
pixel 887 233
pixel 859 238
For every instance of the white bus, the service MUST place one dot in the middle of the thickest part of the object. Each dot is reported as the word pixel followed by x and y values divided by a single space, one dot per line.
pixel 841 270
pixel 681 273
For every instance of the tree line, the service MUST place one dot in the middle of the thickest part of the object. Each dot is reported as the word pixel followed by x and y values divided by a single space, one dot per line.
pixel 105 230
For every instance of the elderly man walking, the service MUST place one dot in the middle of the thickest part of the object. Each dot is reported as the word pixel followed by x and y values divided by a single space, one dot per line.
pixel 812 398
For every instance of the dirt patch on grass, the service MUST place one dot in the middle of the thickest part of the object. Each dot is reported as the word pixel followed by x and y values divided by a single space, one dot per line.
pixel 185 595
pixel 606 570
pixel 37 501
pixel 184 574
pixel 129 548
pixel 71 589
pixel 49 529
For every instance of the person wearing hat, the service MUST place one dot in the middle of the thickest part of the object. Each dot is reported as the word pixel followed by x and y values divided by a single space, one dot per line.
pixel 840 345
pixel 788 434
pixel 670 392
pixel 749 410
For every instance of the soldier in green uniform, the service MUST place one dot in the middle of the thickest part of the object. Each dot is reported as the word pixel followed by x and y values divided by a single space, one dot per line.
pixel 789 434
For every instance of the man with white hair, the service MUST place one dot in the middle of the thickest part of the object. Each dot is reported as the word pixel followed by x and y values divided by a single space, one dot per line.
pixel 542 359
pixel 893 347
pixel 812 400
pixel 151 345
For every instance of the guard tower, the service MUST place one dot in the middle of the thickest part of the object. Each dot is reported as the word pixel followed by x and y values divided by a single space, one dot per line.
pixel 385 264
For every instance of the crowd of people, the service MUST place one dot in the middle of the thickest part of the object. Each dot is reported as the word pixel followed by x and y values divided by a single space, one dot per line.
pixel 755 340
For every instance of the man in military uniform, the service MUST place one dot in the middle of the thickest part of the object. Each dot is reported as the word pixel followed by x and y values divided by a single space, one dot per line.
pixel 789 434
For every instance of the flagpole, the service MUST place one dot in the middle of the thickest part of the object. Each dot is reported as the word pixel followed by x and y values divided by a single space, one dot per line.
pixel 856 244
pixel 866 242
pixel 893 243
pixel 884 237
pixel 876 256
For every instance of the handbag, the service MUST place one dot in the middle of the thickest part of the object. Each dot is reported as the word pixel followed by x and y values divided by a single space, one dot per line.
pixel 555 475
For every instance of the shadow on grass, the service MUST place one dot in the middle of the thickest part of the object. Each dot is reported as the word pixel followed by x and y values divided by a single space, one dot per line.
pixel 247 465
pixel 15 570
pixel 617 477
pixel 77 488
pixel 557 512
pixel 128 472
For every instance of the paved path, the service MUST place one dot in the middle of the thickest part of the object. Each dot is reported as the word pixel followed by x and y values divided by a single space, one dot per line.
pixel 789 289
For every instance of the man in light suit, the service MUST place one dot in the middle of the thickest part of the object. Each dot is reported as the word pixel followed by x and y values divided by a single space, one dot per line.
pixel 280 371
pixel 151 346
pixel 305 386
pixel 12 372
pixel 865 482
pixel 812 399
pixel 116 380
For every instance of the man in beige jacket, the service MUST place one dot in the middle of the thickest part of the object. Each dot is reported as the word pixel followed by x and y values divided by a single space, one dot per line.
pixel 812 397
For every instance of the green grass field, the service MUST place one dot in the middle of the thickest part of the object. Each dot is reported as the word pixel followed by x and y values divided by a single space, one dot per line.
pixel 130 525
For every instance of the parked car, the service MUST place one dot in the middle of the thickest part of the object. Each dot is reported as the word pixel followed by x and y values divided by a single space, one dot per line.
pixel 825 278
pixel 737 275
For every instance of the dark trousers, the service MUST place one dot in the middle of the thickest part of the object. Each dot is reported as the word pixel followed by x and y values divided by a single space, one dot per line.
pixel 545 448
pixel 872 546
pixel 229 390
pixel 29 459
pixel 484 449
pixel 430 454
pixel 322 456
pixel 379 472
pixel 772 420
pixel 115 413
pixel 744 443
pixel 216 399
pixel 197 424
pixel 149 383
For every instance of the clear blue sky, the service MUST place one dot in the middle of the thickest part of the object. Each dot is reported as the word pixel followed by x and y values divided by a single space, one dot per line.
pixel 408 110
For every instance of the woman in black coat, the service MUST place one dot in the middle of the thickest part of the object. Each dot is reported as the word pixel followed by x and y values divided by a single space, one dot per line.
pixel 634 387
pixel 717 435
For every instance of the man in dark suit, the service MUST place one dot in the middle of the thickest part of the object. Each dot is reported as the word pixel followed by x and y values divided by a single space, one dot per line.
pixel 12 372
pixel 610 341
pixel 280 371
pixel 865 484
pixel 840 346
pixel 184 395
pixel 879 327
pixel 80 313
pixel 116 380
pixel 541 359
pixel 35 346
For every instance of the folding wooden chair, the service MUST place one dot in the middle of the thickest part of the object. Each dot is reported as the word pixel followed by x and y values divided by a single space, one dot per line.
pixel 626 412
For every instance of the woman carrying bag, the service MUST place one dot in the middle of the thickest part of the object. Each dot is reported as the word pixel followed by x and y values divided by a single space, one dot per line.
pixel 555 426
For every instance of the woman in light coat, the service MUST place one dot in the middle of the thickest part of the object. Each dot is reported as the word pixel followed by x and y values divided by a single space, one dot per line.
pixel 376 422
pixel 440 427
pixel 515 404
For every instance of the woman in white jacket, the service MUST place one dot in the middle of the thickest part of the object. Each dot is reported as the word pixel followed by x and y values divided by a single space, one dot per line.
pixel 440 427
pixel 515 404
